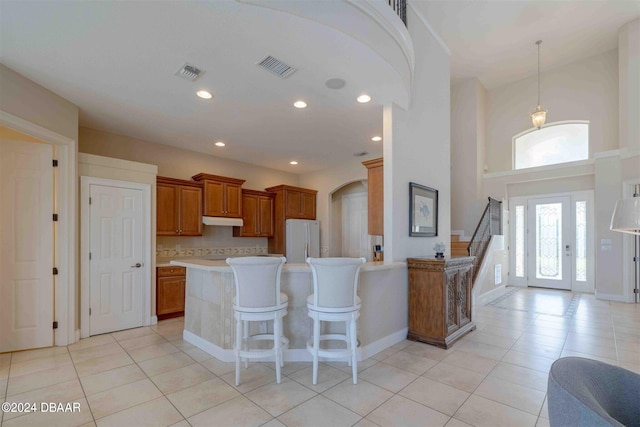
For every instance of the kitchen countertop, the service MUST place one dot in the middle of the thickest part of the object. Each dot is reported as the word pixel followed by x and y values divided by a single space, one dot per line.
pixel 223 267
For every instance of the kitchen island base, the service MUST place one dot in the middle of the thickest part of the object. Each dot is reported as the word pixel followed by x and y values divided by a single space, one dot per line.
pixel 210 325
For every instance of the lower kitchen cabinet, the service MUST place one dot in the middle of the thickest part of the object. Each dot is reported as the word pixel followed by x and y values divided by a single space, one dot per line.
pixel 170 288
pixel 440 299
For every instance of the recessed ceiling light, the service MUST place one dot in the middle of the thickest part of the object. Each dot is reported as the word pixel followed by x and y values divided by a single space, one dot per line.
pixel 204 94
pixel 376 138
pixel 220 144
pixel 293 162
pixel 300 104
pixel 363 99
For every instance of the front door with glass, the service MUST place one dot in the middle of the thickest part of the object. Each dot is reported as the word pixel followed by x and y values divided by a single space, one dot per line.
pixel 549 245
pixel 551 241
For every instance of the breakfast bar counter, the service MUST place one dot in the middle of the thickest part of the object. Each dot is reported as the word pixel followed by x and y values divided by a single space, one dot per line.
pixel 210 324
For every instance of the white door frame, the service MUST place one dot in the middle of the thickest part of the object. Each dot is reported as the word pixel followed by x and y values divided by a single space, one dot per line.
pixel 85 271
pixel 65 241
pixel 588 195
pixel 628 241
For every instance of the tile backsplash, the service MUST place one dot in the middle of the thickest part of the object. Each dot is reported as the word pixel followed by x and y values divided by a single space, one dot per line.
pixel 210 252
pixel 216 241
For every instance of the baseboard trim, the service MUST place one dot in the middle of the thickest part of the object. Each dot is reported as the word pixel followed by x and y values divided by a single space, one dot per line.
pixel 611 297
pixel 383 343
pixel 154 320
pixel 294 354
pixel 488 296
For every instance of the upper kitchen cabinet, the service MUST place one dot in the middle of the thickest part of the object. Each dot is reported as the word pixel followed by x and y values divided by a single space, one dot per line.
pixel 257 214
pixel 289 203
pixel 375 193
pixel 178 207
pixel 222 195
pixel 295 202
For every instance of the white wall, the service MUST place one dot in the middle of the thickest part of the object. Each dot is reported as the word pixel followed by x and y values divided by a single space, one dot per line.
pixel 175 162
pixel 417 146
pixel 604 89
pixel 485 287
pixel 36 104
pixel 326 182
pixel 583 90
pixel 629 67
pixel 467 155
pixel 609 263
pixel 178 163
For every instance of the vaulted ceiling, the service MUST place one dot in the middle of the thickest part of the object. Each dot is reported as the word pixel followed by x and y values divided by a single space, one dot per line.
pixel 117 61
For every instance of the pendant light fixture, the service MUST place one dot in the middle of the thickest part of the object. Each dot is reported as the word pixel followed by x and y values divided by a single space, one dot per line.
pixel 539 115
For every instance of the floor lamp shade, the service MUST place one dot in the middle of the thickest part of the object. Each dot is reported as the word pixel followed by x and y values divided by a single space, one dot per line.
pixel 626 216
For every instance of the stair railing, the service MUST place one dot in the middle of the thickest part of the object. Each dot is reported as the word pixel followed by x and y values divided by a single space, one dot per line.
pixel 490 224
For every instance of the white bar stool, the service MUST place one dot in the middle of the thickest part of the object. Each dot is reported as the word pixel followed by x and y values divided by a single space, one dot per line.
pixel 335 299
pixel 258 299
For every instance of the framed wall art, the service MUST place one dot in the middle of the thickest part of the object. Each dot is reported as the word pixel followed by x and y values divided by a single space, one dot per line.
pixel 423 211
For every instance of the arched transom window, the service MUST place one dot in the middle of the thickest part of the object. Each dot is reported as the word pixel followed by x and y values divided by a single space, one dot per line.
pixel 558 142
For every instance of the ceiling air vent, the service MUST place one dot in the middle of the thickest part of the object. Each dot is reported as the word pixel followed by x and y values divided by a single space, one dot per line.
pixel 276 66
pixel 189 72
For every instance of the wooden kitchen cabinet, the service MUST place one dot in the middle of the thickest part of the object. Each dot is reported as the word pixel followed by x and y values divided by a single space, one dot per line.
pixel 289 203
pixel 300 204
pixel 375 193
pixel 296 202
pixel 222 195
pixel 257 214
pixel 170 291
pixel 440 299
pixel 178 207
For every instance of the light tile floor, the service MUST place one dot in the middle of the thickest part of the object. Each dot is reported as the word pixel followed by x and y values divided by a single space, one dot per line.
pixel 495 376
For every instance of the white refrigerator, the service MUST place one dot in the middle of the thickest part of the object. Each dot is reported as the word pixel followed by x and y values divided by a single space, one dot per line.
pixel 303 240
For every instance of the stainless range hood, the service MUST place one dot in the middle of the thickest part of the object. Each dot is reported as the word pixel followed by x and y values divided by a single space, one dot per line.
pixel 226 222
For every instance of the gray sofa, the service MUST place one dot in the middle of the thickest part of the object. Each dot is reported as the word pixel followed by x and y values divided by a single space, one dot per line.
pixel 585 392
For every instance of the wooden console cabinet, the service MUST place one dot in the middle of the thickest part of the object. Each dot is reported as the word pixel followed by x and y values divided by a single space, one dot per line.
pixel 178 207
pixel 170 288
pixel 440 299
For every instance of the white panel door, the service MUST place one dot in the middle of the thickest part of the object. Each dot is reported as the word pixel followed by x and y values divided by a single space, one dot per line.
pixel 355 232
pixel 117 255
pixel 26 236
pixel 550 242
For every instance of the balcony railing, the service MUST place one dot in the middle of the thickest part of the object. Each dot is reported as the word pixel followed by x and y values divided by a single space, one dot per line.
pixel 400 7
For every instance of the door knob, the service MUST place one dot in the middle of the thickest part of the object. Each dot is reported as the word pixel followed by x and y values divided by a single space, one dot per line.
pixel 138 265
